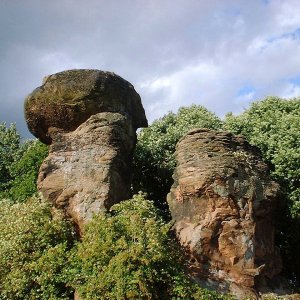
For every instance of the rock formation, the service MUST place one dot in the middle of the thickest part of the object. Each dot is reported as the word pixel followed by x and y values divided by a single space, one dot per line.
pixel 89 118
pixel 222 202
pixel 69 98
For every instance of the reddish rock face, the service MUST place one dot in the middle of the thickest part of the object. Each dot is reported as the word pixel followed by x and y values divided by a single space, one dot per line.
pixel 222 202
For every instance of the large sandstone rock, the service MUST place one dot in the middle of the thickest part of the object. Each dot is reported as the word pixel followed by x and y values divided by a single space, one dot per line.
pixel 222 202
pixel 88 170
pixel 90 118
pixel 67 99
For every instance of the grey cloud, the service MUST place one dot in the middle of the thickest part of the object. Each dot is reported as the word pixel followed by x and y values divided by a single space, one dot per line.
pixel 204 50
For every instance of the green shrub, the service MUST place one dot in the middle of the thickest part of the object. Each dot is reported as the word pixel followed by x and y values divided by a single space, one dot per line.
pixel 19 164
pixel 154 159
pixel 128 254
pixel 25 171
pixel 9 152
pixel 33 252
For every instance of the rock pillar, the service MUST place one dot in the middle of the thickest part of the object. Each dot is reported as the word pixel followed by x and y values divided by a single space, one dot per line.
pixel 222 202
pixel 89 118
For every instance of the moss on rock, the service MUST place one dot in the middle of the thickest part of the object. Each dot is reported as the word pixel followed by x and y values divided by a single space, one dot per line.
pixel 67 99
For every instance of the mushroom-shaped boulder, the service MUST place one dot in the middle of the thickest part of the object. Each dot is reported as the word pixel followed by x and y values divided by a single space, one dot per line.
pixel 69 98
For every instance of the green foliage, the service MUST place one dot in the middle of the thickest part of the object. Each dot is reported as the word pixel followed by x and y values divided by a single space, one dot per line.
pixel 19 164
pixel 274 126
pixel 125 254
pixel 154 160
pixel 9 152
pixel 33 252
pixel 128 254
pixel 25 171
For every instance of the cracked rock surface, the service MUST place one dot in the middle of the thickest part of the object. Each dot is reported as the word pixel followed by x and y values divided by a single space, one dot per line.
pixel 222 202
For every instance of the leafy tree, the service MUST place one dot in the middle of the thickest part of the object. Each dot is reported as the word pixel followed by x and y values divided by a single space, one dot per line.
pixel 25 171
pixel 9 152
pixel 33 252
pixel 19 164
pixel 274 126
pixel 128 254
pixel 154 160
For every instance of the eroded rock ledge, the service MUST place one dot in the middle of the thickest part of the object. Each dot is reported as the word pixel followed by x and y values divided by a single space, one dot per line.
pixel 222 202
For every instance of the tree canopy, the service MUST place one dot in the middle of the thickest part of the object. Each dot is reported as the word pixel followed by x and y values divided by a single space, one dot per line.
pixel 154 159
pixel 19 164
pixel 9 152
pixel 33 251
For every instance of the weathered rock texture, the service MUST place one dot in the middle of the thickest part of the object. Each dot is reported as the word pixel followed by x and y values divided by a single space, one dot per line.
pixel 222 202
pixel 67 99
pixel 90 118
pixel 88 170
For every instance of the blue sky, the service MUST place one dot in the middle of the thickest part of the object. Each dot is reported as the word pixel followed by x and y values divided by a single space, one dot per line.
pixel 220 54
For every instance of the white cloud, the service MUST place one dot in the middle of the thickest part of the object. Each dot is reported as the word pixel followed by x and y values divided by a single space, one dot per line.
pixel 287 16
pixel 156 84
pixel 58 61
pixel 290 91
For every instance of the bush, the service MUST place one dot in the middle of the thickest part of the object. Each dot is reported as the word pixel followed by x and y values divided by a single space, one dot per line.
pixel 128 254
pixel 25 171
pixel 19 164
pixel 154 159
pixel 33 252
pixel 9 152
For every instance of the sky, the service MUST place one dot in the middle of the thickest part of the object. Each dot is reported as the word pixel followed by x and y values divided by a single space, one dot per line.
pixel 216 53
